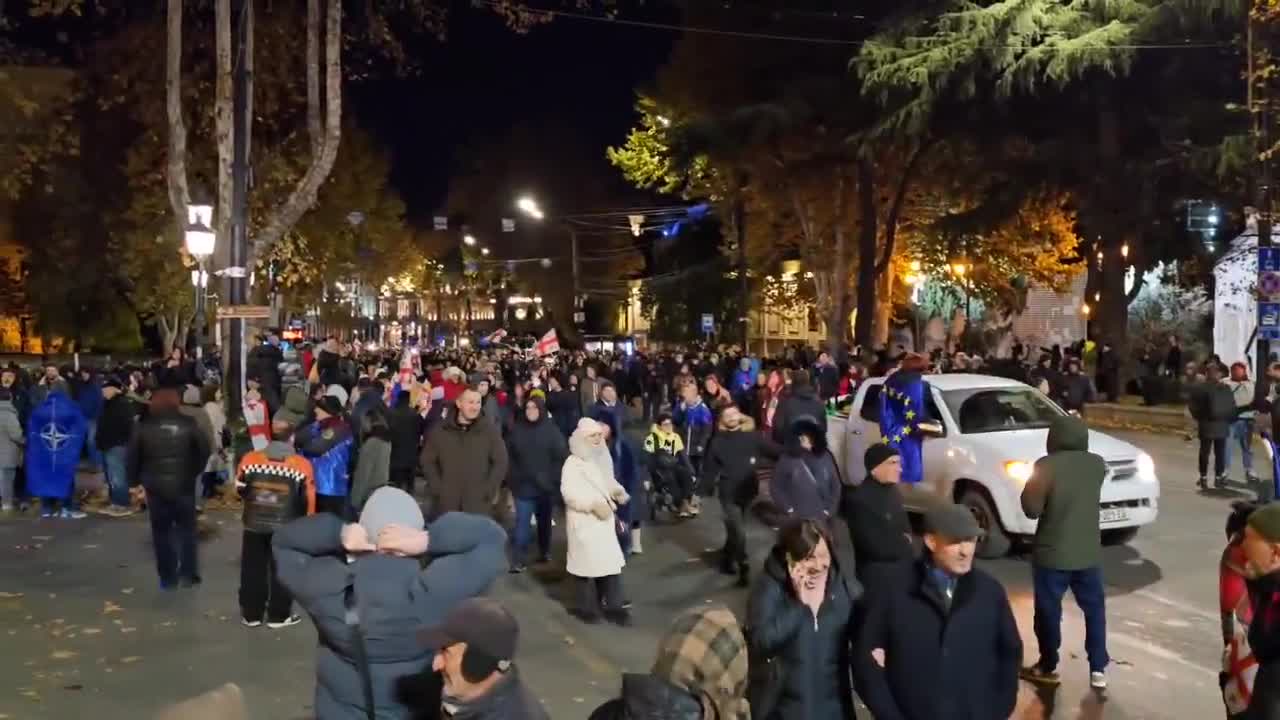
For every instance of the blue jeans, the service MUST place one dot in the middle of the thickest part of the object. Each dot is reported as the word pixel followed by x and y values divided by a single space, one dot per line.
pixel 91 445
pixel 1086 587
pixel 114 461
pixel 1241 434
pixel 526 510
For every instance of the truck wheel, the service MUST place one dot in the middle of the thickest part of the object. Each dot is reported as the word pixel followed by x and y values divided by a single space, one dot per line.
pixel 996 543
pixel 1119 536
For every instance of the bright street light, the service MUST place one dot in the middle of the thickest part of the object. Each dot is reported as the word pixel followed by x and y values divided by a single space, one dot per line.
pixel 529 206
pixel 484 251
pixel 199 237
pixel 469 239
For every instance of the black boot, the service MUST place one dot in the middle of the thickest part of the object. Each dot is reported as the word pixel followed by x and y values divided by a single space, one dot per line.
pixel 744 575
pixel 619 617
pixel 1203 483
pixel 726 564
pixel 1220 482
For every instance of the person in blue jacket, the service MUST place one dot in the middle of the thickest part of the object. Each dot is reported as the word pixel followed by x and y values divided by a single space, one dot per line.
pixel 626 470
pixel 327 443
pixel 56 434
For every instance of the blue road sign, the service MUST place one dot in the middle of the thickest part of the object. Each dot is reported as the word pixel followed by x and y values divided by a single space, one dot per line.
pixel 1269 259
pixel 1269 320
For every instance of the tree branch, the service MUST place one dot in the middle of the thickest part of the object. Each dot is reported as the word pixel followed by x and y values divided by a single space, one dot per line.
pixel 304 194
pixel 179 194
pixel 314 122
pixel 895 207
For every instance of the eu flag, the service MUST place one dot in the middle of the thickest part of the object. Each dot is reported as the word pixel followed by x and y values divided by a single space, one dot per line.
pixel 901 412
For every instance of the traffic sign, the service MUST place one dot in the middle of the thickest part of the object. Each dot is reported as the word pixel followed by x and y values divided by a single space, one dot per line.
pixel 247 312
pixel 1269 259
pixel 1269 320
pixel 708 323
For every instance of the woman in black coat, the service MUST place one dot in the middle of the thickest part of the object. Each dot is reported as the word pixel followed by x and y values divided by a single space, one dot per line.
pixel 563 405
pixel 537 451
pixel 800 616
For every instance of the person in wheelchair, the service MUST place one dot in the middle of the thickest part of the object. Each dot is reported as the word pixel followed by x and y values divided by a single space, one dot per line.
pixel 669 468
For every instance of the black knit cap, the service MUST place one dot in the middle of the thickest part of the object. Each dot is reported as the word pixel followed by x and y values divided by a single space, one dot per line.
pixel 877 454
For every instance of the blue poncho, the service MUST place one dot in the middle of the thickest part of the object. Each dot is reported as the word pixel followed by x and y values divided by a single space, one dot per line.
pixel 55 437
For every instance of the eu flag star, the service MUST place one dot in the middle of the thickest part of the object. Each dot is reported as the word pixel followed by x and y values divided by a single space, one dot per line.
pixel 910 414
pixel 884 440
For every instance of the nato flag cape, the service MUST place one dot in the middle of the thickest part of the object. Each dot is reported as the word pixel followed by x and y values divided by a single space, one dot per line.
pixel 55 437
pixel 901 412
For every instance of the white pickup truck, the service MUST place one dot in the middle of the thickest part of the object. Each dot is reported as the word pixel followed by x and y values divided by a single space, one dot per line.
pixel 993 431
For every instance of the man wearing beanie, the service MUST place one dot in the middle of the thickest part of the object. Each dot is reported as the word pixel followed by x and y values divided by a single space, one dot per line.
pixel 801 400
pixel 327 444
pixel 475 651
pixel 876 516
pixel 1262 550
pixel 366 580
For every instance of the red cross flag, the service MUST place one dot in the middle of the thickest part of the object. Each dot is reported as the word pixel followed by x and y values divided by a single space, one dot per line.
pixel 548 344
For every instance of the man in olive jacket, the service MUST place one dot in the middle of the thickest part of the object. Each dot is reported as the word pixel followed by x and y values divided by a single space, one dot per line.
pixel 1064 493
pixel 464 460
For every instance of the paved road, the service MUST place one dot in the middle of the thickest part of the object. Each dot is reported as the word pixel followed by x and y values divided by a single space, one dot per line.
pixel 91 635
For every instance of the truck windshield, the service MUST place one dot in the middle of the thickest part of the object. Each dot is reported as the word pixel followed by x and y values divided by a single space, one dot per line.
pixel 984 410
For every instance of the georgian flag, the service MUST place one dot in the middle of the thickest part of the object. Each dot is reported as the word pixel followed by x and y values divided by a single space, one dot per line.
pixel 548 344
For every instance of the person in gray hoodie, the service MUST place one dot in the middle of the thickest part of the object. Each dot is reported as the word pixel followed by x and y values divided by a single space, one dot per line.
pixel 11 442
pixel 363 585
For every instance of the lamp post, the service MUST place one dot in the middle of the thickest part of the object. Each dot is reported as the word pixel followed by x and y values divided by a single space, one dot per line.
pixel 199 240
pixel 530 207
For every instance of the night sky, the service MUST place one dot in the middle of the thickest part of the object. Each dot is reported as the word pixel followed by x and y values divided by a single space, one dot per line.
pixel 578 76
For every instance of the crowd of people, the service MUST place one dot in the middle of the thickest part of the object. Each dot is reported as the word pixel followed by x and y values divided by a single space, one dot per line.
pixel 383 493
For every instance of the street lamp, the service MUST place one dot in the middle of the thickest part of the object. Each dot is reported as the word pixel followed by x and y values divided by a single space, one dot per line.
pixel 484 251
pixel 469 239
pixel 199 239
pixel 529 206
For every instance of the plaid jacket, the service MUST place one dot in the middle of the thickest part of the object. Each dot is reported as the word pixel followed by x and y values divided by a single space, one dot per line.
pixel 705 652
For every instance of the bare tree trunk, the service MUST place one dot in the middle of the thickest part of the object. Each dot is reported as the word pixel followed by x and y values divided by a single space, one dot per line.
pixel 314 122
pixel 840 301
pixel 868 238
pixel 179 195
pixel 223 127
pixel 304 194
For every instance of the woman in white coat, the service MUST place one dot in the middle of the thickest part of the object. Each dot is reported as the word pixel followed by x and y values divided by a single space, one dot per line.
pixel 591 498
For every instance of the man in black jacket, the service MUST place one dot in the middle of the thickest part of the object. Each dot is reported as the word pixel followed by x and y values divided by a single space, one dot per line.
pixel 732 458
pixel 939 641
pixel 877 518
pixel 1213 407
pixel 800 400
pixel 407 426
pixel 166 455
pixel 115 428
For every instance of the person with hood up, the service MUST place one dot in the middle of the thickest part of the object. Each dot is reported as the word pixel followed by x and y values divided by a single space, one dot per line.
pixel 327 444
pixel 806 481
pixel 799 400
pixel 464 461
pixel 877 517
pixel 118 417
pixel 1064 493
pixel 373 461
pixel 56 433
pixel 365 588
pixel 1261 546
pixel 801 613
pixel 537 452
pixel 11 442
pixel 166 456
pixel 700 673
pixel 296 410
pixel 735 453
pixel 591 498
pixel 488 399
pixel 626 472
pixel 669 464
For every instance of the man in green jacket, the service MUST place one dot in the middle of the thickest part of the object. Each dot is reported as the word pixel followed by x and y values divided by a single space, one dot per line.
pixel 1064 493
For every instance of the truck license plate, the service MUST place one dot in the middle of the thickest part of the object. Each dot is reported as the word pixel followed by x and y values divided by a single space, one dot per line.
pixel 1110 515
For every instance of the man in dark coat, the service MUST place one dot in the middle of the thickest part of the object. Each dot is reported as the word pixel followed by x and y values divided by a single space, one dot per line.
pixel 464 460
pixel 1064 493
pixel 877 518
pixel 1261 547
pixel 166 455
pixel 939 641
pixel 1213 407
pixel 407 426
pixel 735 452
pixel 537 451
pixel 801 400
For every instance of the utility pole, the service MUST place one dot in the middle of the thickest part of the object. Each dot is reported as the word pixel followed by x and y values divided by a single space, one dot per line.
pixel 237 284
pixel 578 312
pixel 744 287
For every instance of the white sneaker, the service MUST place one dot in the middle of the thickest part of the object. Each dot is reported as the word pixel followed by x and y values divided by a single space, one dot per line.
pixel 250 623
pixel 636 548
pixel 1098 680
pixel 287 622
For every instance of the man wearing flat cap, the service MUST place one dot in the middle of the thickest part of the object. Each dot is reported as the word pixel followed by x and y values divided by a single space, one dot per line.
pixel 941 622
pixel 475 650
pixel 1262 550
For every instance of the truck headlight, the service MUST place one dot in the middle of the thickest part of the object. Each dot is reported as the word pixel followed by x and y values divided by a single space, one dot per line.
pixel 1019 470
pixel 1146 468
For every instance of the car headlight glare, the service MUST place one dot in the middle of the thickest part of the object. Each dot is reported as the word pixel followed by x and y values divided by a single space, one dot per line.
pixel 1146 468
pixel 1019 470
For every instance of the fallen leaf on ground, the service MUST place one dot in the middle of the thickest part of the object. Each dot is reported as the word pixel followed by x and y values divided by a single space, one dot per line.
pixel 63 654
pixel 130 659
pixel 30 694
pixel 128 629
pixel 11 595
pixel 168 623
pixel 58 621
pixel 127 591
pixel 568 640
pixel 109 607
pixel 88 547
